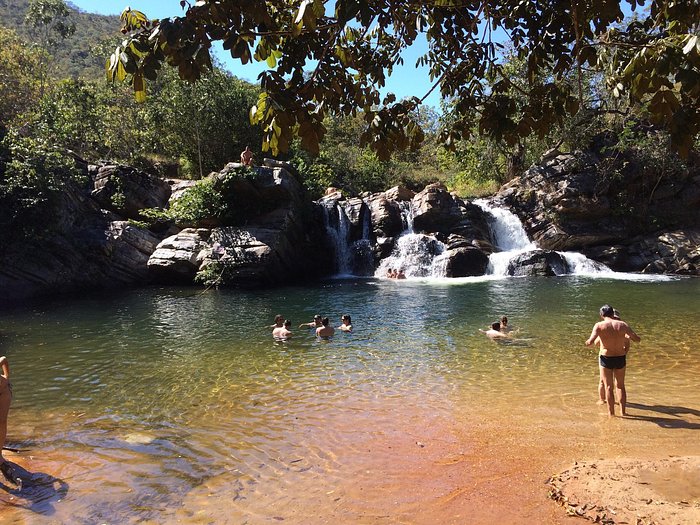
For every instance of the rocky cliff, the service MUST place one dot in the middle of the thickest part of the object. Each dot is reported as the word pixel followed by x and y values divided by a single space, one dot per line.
pixel 624 219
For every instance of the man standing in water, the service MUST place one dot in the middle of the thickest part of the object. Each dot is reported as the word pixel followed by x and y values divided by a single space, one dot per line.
pixel 5 400
pixel 613 334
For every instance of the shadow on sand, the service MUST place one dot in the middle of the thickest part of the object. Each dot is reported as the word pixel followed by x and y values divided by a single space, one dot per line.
pixel 666 422
pixel 34 491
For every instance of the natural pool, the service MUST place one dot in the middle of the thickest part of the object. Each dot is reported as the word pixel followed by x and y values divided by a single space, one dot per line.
pixel 173 405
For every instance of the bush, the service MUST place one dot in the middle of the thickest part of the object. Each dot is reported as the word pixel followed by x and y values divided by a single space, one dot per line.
pixel 33 174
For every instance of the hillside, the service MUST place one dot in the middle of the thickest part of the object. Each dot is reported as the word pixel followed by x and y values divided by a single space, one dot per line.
pixel 81 55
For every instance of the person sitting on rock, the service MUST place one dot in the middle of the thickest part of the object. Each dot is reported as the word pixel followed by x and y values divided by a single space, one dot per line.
pixel 247 157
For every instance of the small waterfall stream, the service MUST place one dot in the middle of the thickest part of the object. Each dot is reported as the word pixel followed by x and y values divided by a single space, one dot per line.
pixel 510 238
pixel 352 258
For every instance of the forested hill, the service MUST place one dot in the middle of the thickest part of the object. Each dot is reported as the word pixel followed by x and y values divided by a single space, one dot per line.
pixel 81 55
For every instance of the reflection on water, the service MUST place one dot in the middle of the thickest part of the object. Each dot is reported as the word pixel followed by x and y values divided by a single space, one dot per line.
pixel 149 404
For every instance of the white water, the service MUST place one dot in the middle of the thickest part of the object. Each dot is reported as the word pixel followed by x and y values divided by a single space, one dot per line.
pixel 416 254
pixel 339 236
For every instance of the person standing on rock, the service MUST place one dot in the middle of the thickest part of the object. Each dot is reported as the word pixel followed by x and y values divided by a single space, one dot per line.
pixel 613 334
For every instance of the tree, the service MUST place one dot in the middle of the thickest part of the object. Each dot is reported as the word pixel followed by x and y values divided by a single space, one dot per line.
pixel 50 20
pixel 206 123
pixel 653 61
pixel 19 84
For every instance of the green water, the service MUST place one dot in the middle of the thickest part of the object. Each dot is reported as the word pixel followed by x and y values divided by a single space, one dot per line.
pixel 131 403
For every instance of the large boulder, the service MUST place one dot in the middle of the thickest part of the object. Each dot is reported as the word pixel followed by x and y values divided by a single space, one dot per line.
pixel 465 261
pixel 386 216
pixel 276 235
pixel 177 258
pixel 435 210
pixel 537 262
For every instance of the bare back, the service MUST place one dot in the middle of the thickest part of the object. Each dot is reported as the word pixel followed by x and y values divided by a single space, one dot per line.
pixel 613 336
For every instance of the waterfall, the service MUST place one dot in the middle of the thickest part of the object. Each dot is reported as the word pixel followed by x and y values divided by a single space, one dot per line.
pixel 351 257
pixel 510 239
pixel 362 249
pixel 416 254
pixel 338 231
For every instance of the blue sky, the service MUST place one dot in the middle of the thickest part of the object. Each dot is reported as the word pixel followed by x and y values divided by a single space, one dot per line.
pixel 405 81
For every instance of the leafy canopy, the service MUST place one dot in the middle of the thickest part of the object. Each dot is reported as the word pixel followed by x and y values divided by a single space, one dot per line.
pixel 334 61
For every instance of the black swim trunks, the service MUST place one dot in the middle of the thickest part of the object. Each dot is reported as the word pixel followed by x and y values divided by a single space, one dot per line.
pixel 618 361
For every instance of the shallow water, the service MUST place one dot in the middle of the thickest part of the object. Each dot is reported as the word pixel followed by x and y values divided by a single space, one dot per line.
pixel 176 405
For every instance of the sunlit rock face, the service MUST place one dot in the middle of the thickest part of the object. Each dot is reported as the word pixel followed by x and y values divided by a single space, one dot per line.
pixel 275 235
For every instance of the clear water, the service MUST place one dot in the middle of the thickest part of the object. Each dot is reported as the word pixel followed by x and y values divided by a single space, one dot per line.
pixel 173 405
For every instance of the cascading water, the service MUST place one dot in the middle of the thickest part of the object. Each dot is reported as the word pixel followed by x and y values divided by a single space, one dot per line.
pixel 362 250
pixel 352 258
pixel 338 232
pixel 510 238
pixel 416 254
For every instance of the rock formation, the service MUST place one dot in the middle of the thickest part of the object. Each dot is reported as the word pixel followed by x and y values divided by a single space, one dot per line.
pixel 569 202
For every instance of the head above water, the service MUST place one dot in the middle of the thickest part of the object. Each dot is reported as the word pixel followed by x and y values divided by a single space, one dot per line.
pixel 279 318
pixel 287 323
pixel 345 318
pixel 504 320
pixel 317 317
pixel 607 311
pixel 325 321
pixel 496 326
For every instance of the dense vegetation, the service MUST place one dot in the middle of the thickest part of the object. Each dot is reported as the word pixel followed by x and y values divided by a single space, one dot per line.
pixel 190 129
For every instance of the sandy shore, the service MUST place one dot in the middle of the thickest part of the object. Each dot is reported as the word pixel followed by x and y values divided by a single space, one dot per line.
pixel 642 492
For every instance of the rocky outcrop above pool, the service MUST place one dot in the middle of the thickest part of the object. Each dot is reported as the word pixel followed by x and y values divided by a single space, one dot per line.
pixel 610 210
pixel 86 248
pixel 272 239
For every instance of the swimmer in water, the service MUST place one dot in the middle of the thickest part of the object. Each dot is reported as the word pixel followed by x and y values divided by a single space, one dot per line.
pixel 316 323
pixel 346 325
pixel 325 331
pixel 283 332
